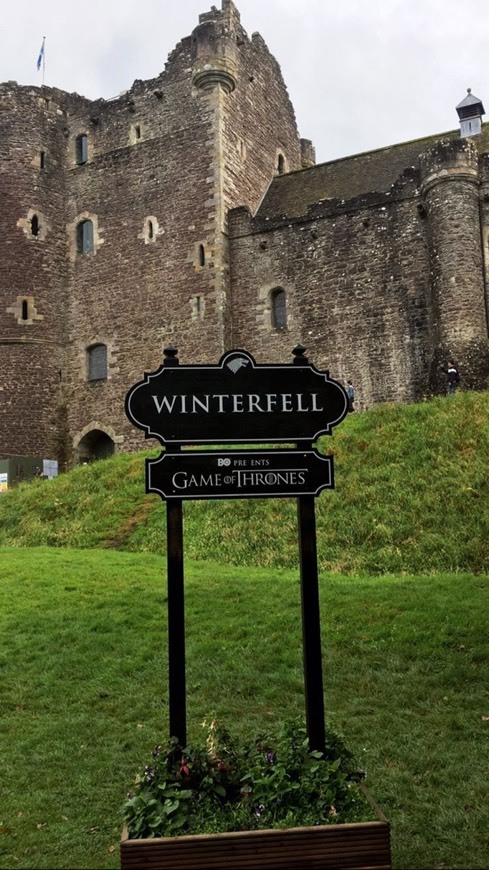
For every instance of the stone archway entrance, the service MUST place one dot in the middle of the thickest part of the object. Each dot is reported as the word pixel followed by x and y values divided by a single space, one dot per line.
pixel 94 445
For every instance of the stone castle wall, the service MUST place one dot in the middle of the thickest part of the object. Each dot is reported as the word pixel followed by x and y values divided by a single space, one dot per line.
pixel 201 206
pixel 383 288
pixel 356 277
pixel 33 285
pixel 155 189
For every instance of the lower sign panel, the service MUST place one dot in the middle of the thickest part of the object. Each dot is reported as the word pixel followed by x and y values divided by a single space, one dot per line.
pixel 239 474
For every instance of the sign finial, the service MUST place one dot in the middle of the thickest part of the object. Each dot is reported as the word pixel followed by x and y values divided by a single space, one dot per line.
pixel 299 355
pixel 170 354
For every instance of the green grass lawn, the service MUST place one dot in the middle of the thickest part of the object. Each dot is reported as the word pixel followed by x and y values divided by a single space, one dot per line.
pixel 84 692
pixel 411 496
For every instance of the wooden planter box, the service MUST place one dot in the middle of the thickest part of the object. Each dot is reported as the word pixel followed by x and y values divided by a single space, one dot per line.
pixel 325 847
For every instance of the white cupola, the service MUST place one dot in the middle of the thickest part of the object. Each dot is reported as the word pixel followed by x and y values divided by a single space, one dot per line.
pixel 470 112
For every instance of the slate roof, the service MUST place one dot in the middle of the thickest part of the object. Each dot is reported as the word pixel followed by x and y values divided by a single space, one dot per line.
pixel 371 172
pixel 470 101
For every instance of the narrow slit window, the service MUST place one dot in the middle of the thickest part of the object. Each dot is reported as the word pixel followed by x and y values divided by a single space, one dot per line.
pixel 151 231
pixel 35 225
pixel 81 149
pixel 97 362
pixel 84 237
pixel 201 255
pixel 279 308
pixel 42 159
pixel 281 164
pixel 137 131
pixel 25 310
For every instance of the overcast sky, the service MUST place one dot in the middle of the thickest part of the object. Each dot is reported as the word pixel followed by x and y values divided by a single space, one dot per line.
pixel 361 74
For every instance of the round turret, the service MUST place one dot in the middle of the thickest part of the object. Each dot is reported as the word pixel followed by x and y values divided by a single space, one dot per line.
pixel 32 270
pixel 450 190
pixel 214 49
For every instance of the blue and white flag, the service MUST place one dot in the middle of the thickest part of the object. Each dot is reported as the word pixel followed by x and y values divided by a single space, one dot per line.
pixel 41 54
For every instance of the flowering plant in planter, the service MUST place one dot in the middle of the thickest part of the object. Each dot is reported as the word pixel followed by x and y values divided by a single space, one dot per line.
pixel 227 785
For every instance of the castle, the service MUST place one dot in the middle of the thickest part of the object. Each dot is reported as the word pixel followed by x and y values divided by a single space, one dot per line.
pixel 189 212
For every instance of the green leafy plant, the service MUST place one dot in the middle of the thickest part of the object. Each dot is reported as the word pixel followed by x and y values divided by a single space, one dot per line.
pixel 227 786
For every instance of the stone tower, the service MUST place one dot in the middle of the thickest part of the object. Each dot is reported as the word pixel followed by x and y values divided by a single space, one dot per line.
pixel 252 130
pixel 450 186
pixel 114 223
pixel 33 270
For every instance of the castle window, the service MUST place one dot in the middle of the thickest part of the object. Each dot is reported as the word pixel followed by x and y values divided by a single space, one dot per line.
pixel 278 308
pixel 81 149
pixel 281 164
pixel 84 237
pixel 42 159
pixel 241 148
pixel 34 225
pixel 97 362
pixel 201 255
pixel 24 311
pixel 150 231
pixel 135 131
pixel 197 303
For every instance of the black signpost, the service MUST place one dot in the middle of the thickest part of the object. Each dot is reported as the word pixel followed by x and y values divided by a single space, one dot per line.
pixel 239 474
pixel 236 402
pixel 240 402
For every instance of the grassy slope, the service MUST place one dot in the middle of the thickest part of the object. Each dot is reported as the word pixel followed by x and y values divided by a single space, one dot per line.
pixel 84 692
pixel 411 495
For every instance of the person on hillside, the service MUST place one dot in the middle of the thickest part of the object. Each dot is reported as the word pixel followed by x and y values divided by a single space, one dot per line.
pixel 453 378
pixel 350 391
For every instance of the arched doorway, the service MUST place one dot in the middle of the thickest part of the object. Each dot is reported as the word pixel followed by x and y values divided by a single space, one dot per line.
pixel 94 445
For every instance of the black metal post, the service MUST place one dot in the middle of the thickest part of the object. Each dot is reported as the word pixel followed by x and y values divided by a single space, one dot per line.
pixel 311 621
pixel 176 621
pixel 176 604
